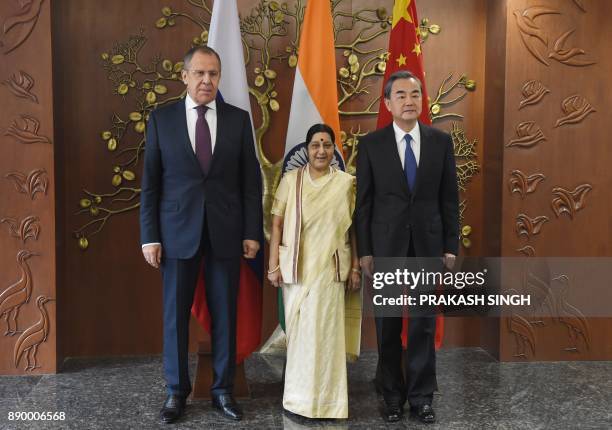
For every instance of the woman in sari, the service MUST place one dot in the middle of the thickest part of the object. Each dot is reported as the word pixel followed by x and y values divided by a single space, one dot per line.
pixel 313 258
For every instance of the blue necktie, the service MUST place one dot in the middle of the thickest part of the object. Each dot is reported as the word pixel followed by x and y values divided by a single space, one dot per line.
pixel 410 164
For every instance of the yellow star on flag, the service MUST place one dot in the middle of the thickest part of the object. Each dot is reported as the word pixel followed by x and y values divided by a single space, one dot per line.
pixel 401 60
pixel 417 49
pixel 400 10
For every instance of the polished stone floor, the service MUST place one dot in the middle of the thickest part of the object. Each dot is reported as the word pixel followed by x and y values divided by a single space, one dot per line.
pixel 476 392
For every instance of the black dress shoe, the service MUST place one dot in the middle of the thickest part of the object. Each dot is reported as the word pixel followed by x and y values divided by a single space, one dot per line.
pixel 424 413
pixel 393 412
pixel 226 404
pixel 173 408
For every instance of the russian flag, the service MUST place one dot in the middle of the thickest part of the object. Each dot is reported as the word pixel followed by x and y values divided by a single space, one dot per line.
pixel 224 37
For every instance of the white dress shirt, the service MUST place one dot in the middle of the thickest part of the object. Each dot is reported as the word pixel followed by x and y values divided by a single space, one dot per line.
pixel 415 143
pixel 192 118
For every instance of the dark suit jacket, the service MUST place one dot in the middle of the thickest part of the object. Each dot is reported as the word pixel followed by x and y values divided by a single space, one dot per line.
pixel 389 215
pixel 176 196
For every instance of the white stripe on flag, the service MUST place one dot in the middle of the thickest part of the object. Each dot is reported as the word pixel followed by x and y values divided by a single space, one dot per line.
pixel 303 114
pixel 224 37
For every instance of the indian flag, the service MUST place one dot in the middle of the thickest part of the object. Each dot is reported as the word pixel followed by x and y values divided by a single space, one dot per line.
pixel 315 97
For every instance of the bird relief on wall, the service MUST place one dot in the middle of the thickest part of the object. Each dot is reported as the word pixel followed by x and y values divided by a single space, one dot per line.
pixel 17 27
pixel 534 37
pixel 27 344
pixel 550 307
pixel 12 299
pixel 17 294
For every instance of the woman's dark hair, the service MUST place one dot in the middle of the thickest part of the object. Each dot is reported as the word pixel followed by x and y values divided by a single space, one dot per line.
pixel 320 128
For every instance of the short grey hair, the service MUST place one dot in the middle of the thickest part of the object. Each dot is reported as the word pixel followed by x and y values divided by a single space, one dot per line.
pixel 202 49
pixel 400 74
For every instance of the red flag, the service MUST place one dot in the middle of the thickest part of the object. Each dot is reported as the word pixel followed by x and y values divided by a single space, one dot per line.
pixel 405 54
pixel 248 321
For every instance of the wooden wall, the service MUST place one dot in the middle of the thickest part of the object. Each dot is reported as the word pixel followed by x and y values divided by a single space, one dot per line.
pixel 108 288
pixel 563 137
pixel 28 329
pixel 109 300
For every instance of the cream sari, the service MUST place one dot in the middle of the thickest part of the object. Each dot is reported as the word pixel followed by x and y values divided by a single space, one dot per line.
pixel 323 320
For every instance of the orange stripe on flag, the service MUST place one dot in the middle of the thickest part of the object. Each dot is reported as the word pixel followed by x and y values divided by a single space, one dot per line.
pixel 317 62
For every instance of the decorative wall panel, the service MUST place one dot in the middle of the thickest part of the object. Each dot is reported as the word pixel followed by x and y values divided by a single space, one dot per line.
pixel 27 194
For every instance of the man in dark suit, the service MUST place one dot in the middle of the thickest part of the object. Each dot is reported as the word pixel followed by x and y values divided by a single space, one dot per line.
pixel 201 200
pixel 407 206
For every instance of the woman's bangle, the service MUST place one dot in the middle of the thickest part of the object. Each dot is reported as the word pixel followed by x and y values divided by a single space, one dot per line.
pixel 356 270
pixel 275 269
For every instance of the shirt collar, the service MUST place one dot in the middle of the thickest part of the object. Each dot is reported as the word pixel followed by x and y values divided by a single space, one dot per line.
pixel 191 104
pixel 415 133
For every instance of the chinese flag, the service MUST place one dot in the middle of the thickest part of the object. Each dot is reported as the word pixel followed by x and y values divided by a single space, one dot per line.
pixel 405 54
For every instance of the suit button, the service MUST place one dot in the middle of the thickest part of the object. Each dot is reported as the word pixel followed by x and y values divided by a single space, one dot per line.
pixel 407 226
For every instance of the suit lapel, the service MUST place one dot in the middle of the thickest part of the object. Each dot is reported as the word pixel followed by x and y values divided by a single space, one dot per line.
pixel 425 156
pixel 221 133
pixel 392 156
pixel 183 134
